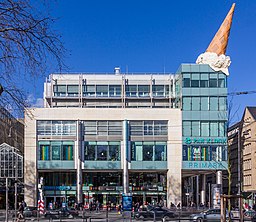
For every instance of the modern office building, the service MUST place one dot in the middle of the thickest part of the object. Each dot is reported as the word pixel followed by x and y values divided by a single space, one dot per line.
pixel 150 135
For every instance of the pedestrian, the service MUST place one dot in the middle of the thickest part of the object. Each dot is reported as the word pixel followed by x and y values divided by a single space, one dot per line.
pixel 20 211
pixel 97 206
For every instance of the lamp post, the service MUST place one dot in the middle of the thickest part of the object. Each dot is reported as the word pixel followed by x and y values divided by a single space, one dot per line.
pixel 239 164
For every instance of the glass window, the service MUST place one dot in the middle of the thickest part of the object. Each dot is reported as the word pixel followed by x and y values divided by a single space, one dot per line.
pixel 204 103
pixel 186 82
pixel 102 90
pixel 138 152
pixel 143 90
pixel 90 149
pixel 205 153
pixel 214 129
pixel 67 152
pixel 195 80
pixel 186 128
pixel 204 83
pixel 194 83
pixel 60 90
pixel 214 103
pixel 72 90
pixel 196 153
pixel 222 129
pixel 213 83
pixel 204 128
pixel 160 128
pixel 115 90
pixel 222 80
pixel 44 152
pixel 186 103
pixel 148 127
pixel 160 153
pixel 102 150
pixel 222 103
pixel 158 90
pixel 195 128
pixel 195 103
pixel 131 90
pixel 148 152
pixel 90 90
pixel 56 150
pixel 114 151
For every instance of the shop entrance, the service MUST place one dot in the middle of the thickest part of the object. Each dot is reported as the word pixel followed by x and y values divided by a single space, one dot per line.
pixel 55 200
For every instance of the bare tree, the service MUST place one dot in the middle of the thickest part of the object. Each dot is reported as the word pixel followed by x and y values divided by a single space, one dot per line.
pixel 27 43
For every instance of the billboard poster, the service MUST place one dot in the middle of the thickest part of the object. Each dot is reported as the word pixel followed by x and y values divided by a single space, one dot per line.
pixel 127 202
pixel 216 192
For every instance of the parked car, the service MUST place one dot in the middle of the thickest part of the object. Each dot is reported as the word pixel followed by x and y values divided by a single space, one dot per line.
pixel 30 212
pixel 62 212
pixel 157 212
pixel 208 215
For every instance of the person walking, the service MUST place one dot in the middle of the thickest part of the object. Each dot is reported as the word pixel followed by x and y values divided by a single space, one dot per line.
pixel 20 212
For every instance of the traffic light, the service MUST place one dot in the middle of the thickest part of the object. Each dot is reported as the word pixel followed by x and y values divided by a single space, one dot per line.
pixel 1 89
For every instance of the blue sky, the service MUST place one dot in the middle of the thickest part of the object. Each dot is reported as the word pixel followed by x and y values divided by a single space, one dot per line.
pixel 155 36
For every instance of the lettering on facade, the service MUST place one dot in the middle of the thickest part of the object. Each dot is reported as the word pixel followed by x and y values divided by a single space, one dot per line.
pixel 203 165
pixel 200 140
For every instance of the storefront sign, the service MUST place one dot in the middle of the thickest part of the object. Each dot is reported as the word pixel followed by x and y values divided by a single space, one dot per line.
pixel 57 188
pixel 199 140
pixel 204 165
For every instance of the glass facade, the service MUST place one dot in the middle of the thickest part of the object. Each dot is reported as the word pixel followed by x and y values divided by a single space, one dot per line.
pixel 204 128
pixel 204 80
pixel 148 151
pixel 102 127
pixel 148 128
pixel 56 150
pixel 56 128
pixel 102 151
pixel 204 153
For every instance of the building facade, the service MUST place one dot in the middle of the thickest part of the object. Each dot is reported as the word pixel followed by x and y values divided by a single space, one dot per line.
pixel 102 135
pixel 242 149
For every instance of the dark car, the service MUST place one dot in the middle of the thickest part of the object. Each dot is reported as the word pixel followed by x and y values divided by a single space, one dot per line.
pixel 62 213
pixel 154 212
pixel 30 212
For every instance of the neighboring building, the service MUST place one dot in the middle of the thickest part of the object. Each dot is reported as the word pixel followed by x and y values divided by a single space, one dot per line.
pixel 11 130
pixel 241 137
pixel 11 133
pixel 248 148
pixel 103 135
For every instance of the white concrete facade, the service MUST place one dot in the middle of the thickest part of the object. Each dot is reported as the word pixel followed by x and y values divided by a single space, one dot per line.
pixel 174 143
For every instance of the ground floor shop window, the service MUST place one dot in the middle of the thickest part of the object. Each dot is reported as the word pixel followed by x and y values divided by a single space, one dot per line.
pixel 149 181
pixel 58 178
pixel 56 150
pixel 102 151
pixel 102 180
pixel 204 153
pixel 148 151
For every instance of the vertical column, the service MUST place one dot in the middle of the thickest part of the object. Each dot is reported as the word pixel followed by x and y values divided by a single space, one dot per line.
pixel 125 157
pixel 203 189
pixel 197 191
pixel 79 191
